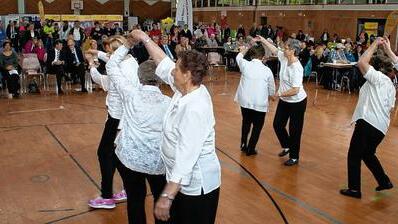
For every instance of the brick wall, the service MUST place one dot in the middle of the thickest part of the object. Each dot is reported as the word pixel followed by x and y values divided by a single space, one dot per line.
pixel 8 7
pixel 160 10
pixel 64 7
pixel 314 22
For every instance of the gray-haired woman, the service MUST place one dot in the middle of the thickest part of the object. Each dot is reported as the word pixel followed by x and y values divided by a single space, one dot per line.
pixel 138 142
pixel 193 170
pixel 293 99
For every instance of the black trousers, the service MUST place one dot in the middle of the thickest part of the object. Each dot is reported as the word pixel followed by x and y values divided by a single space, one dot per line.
pixel 107 157
pixel 364 142
pixel 78 71
pixel 200 209
pixel 59 72
pixel 294 113
pixel 13 84
pixel 251 117
pixel 135 186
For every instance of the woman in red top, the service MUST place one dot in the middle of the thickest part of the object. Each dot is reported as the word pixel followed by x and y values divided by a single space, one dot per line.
pixel 40 51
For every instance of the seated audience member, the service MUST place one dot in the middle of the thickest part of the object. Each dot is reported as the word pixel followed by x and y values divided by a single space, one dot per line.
pixel 75 64
pixel 167 48
pixel 349 54
pixel 183 45
pixel 56 62
pixel 358 52
pixel 317 59
pixel 40 51
pixel 213 57
pixel 9 69
pixel 186 33
pixel 338 55
pixel 28 36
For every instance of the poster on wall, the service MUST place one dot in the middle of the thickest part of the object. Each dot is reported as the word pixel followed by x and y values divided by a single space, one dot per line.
pixel 371 28
pixel 184 13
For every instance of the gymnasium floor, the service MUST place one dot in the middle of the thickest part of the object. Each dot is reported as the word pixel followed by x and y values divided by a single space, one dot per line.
pixel 49 167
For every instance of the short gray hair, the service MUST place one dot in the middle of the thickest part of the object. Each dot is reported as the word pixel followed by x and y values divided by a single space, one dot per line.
pixel 294 44
pixel 146 73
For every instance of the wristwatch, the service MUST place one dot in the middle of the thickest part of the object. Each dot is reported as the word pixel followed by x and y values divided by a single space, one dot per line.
pixel 166 195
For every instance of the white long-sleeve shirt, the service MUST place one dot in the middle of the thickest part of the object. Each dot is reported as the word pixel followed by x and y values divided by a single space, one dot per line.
pixel 188 138
pixel 144 106
pixel 376 100
pixel 114 103
pixel 291 76
pixel 96 76
pixel 256 84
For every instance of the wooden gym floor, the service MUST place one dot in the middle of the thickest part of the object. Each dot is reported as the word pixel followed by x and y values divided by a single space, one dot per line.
pixel 49 167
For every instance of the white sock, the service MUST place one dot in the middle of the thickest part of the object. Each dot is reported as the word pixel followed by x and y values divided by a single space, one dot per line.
pixel 286 149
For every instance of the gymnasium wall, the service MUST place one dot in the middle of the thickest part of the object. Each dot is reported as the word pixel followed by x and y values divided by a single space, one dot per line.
pixel 314 22
pixel 8 7
pixel 159 10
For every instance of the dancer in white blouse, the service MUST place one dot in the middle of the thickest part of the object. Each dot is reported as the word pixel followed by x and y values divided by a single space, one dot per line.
pixel 106 149
pixel 371 117
pixel 138 142
pixel 293 99
pixel 188 140
pixel 255 87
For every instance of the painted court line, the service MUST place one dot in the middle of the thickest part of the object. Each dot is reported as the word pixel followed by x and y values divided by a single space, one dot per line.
pixel 37 110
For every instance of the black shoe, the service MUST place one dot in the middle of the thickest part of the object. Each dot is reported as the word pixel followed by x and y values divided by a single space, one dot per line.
pixel 84 90
pixel 351 193
pixel 283 153
pixel 251 153
pixel 291 162
pixel 60 92
pixel 243 148
pixel 384 187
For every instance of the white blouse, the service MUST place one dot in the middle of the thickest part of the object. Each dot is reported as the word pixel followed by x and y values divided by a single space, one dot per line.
pixel 113 100
pixel 256 84
pixel 188 139
pixel 144 106
pixel 97 77
pixel 376 100
pixel 291 76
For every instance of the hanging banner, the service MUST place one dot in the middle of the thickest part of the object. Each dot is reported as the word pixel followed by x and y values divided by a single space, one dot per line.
pixel 184 13
pixel 391 24
pixel 41 9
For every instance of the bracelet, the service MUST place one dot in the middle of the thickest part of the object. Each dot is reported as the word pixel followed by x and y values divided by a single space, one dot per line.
pixel 166 195
pixel 147 40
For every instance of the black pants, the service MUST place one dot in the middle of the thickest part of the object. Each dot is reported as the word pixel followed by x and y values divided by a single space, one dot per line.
pixel 78 72
pixel 294 113
pixel 135 186
pixel 200 209
pixel 107 157
pixel 59 72
pixel 251 117
pixel 13 84
pixel 364 142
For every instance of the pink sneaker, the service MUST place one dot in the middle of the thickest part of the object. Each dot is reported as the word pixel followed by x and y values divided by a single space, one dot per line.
pixel 121 196
pixel 102 203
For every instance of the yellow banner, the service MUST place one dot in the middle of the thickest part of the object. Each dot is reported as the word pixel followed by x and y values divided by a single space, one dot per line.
pixel 91 17
pixel 53 17
pixel 371 26
pixel 41 9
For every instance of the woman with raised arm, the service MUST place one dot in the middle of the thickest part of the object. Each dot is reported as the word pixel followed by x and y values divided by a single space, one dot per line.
pixel 255 87
pixel 139 139
pixel 106 148
pixel 293 99
pixel 371 118
pixel 193 170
